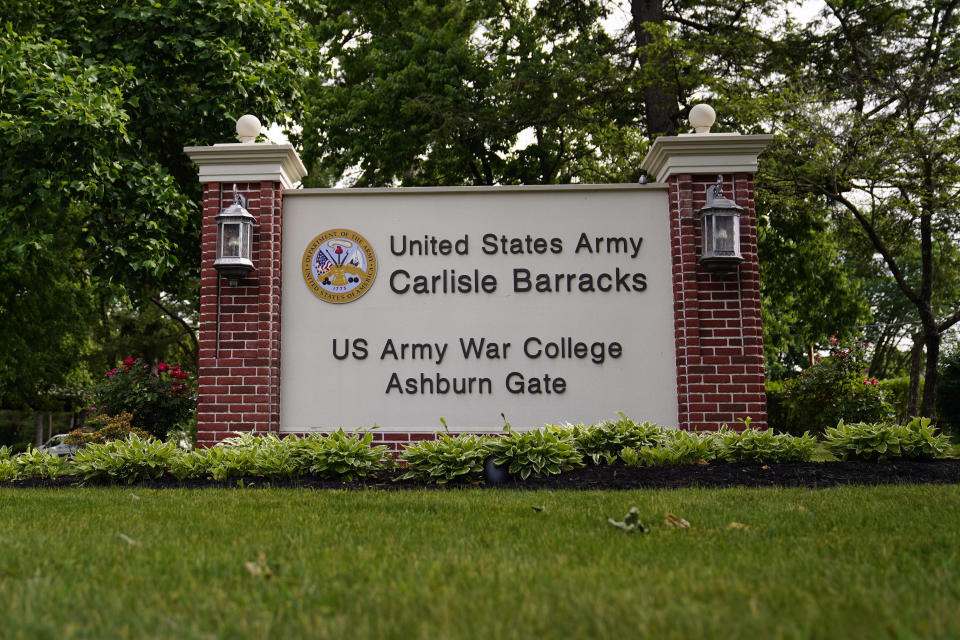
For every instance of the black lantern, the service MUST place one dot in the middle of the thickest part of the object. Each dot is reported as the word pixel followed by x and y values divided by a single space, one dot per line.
pixel 721 231
pixel 234 229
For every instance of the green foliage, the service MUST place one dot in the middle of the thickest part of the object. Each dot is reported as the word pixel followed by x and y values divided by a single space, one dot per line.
pixel 869 124
pixel 132 459
pixel 35 463
pixel 602 443
pixel 673 447
pixel 221 462
pixel 879 441
pixel 345 456
pixel 426 93
pixel 538 452
pixel 948 393
pixel 5 452
pixel 8 469
pixel 751 445
pixel 896 392
pixel 191 464
pixel 98 203
pixel 338 456
pixel 159 400
pixel 807 277
pixel 446 459
pixel 834 389
pixel 777 405
pixel 105 428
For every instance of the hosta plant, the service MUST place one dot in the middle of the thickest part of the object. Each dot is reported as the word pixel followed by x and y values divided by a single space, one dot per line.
pixel 5 452
pixel 536 453
pixel 751 445
pixel 345 456
pixel 602 443
pixel 190 464
pixel 446 459
pixel 225 461
pixel 39 464
pixel 8 469
pixel 672 447
pixel 132 459
pixel 878 441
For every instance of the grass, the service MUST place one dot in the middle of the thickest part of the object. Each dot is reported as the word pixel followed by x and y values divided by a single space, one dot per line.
pixel 848 562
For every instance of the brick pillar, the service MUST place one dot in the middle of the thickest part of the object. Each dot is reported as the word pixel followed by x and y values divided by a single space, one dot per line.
pixel 239 382
pixel 717 324
pixel 239 377
pixel 719 339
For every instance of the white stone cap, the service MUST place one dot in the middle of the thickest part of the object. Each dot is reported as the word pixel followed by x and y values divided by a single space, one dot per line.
pixel 248 162
pixel 704 153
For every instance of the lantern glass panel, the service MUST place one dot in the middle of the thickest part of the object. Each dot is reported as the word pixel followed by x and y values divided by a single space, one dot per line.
pixel 725 235
pixel 230 247
pixel 245 245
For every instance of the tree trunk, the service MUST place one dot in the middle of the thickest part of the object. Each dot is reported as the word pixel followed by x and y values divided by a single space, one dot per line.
pixel 659 99
pixel 932 341
pixel 916 360
pixel 39 438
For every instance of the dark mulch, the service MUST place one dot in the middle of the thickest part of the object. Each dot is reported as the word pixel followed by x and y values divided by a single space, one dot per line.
pixel 789 474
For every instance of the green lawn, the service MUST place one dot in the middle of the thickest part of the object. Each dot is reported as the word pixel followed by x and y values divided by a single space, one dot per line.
pixel 850 562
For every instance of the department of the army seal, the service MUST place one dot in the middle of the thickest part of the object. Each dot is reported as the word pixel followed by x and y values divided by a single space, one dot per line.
pixel 339 265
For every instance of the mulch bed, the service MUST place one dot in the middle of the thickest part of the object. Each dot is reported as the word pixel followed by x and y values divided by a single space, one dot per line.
pixel 814 475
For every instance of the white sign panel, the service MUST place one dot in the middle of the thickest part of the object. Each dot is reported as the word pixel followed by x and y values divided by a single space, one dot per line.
pixel 546 305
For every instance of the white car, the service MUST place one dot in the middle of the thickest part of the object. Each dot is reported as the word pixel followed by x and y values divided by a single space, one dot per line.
pixel 58 447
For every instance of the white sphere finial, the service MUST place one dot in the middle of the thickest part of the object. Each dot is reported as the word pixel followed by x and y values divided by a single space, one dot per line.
pixel 702 117
pixel 248 128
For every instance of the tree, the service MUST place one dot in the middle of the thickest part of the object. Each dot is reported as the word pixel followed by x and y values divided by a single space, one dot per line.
pixel 439 92
pixel 870 123
pixel 97 200
pixel 810 288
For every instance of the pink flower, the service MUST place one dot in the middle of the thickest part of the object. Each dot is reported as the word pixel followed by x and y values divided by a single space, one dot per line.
pixel 128 362
pixel 163 366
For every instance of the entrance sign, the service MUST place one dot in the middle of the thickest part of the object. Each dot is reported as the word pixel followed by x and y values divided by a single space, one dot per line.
pixel 405 307
pixel 544 304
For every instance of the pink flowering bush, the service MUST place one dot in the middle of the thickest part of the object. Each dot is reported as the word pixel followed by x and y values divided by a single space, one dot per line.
pixel 159 400
pixel 835 388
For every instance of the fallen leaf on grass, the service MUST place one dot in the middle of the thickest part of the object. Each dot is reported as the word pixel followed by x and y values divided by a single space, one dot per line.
pixel 259 568
pixel 675 521
pixel 134 496
pixel 125 538
pixel 800 507
pixel 737 525
pixel 537 509
pixel 631 522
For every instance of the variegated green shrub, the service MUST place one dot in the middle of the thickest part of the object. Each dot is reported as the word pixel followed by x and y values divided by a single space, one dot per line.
pixel 879 440
pixel 446 459
pixel 537 453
